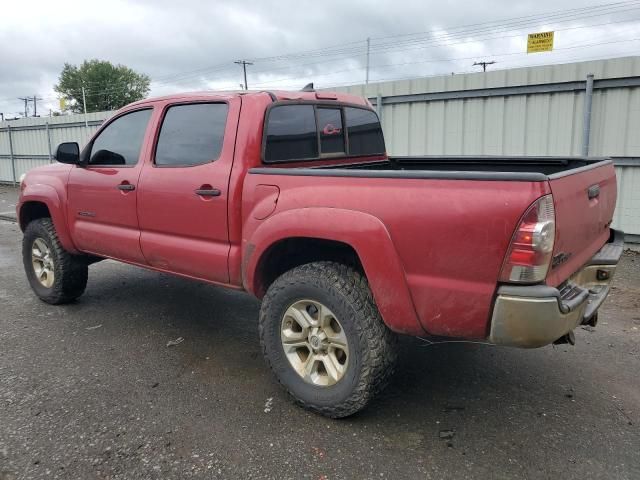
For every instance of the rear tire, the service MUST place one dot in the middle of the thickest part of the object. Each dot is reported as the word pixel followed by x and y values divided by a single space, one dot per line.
pixel 55 275
pixel 333 370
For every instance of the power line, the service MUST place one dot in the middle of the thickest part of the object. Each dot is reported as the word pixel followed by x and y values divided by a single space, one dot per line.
pixel 445 60
pixel 489 27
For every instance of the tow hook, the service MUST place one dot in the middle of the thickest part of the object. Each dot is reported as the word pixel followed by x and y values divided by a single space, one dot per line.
pixel 567 338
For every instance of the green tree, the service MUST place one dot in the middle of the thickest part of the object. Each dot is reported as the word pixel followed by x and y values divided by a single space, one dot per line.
pixel 107 86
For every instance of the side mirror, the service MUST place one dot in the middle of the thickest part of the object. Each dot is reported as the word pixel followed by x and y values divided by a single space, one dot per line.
pixel 68 152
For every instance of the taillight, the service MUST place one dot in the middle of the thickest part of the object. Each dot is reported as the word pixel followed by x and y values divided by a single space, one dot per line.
pixel 531 248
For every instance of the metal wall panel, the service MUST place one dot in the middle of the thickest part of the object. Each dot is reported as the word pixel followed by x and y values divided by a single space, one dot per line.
pixel 627 214
pixel 23 165
pixel 32 143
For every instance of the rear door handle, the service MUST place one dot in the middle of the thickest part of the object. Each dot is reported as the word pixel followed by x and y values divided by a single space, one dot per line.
pixel 127 187
pixel 208 192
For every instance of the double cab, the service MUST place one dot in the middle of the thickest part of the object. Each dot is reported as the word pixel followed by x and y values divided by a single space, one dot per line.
pixel 292 197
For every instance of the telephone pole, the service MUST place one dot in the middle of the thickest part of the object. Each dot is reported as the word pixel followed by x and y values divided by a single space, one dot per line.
pixel 368 54
pixel 84 106
pixel 35 105
pixel 26 101
pixel 484 64
pixel 244 64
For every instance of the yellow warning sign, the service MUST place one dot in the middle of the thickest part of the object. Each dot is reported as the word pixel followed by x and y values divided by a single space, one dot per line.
pixel 540 42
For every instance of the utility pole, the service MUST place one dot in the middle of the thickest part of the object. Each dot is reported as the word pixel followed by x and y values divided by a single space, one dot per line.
pixel 484 64
pixel 368 54
pixel 26 101
pixel 84 105
pixel 1 117
pixel 35 105
pixel 244 64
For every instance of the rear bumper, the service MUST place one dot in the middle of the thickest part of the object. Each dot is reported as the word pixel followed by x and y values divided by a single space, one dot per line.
pixel 537 315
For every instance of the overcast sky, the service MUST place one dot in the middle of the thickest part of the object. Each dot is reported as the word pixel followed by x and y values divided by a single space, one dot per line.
pixel 191 44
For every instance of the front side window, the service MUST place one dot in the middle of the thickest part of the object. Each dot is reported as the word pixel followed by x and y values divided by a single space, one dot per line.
pixel 364 132
pixel 291 133
pixel 191 134
pixel 120 142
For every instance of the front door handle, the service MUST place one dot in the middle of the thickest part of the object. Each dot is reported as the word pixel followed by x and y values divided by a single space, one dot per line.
pixel 127 187
pixel 208 192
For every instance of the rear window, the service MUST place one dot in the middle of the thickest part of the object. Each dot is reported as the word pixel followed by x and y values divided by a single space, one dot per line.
pixel 331 132
pixel 309 131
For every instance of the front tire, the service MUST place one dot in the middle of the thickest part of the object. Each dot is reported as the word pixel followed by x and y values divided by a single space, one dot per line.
pixel 324 339
pixel 55 275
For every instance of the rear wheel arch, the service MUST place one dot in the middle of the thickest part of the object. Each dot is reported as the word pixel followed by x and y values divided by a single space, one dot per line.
pixel 288 253
pixel 364 236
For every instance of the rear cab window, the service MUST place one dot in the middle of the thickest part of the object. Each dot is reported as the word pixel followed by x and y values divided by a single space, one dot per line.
pixel 310 131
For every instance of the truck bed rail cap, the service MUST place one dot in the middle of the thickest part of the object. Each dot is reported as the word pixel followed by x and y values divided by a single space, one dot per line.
pixel 424 174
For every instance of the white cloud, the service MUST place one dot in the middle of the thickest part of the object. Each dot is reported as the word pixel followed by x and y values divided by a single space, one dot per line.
pixel 192 44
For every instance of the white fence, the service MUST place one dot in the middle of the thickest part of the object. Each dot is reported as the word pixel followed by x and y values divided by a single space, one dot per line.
pixel 30 142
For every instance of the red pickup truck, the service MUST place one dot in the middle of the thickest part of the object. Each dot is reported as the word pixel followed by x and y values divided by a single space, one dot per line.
pixel 291 197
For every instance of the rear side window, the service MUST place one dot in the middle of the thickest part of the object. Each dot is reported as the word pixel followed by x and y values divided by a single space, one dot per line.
pixel 364 131
pixel 119 143
pixel 291 133
pixel 191 134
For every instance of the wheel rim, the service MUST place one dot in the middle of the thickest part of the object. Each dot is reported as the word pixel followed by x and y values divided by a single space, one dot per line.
pixel 42 262
pixel 315 343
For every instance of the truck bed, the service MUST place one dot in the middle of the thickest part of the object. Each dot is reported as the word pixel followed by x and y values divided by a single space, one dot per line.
pixel 459 167
pixel 548 166
pixel 452 219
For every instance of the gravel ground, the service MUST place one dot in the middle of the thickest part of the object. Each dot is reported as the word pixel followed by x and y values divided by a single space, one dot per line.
pixel 91 390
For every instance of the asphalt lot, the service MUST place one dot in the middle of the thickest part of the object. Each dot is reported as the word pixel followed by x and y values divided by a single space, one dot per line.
pixel 91 390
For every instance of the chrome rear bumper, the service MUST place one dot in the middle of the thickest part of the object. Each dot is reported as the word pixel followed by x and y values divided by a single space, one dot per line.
pixel 537 315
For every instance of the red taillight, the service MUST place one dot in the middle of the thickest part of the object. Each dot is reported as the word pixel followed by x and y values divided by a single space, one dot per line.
pixel 531 248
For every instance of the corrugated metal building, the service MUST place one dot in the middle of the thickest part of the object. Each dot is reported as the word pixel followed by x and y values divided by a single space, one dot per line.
pixel 522 111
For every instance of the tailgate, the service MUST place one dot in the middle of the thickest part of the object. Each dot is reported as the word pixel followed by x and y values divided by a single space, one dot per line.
pixel 584 200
